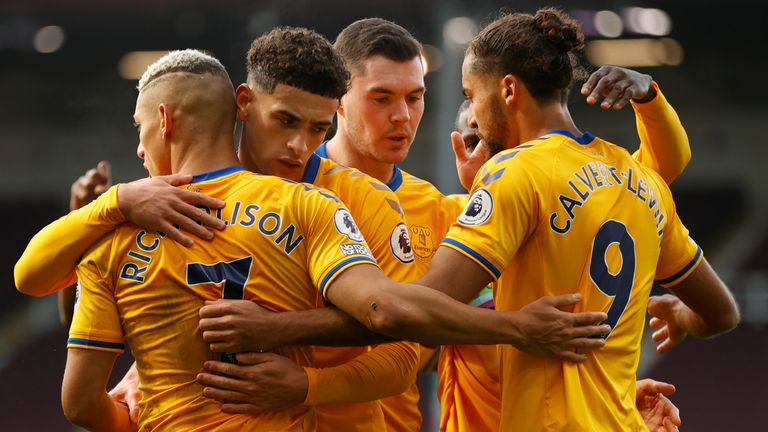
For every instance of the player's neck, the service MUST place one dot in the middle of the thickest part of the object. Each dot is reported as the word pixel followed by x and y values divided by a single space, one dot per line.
pixel 341 151
pixel 204 156
pixel 539 120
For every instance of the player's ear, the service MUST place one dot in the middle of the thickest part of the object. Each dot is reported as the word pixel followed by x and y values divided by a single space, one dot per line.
pixel 165 111
pixel 509 88
pixel 243 97
pixel 340 110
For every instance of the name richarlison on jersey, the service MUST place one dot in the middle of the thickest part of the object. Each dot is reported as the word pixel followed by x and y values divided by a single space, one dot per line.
pixel 269 224
pixel 597 175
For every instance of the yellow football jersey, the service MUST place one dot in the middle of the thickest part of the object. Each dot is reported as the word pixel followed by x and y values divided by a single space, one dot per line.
pixel 284 244
pixel 470 396
pixel 429 214
pixel 462 376
pixel 467 385
pixel 564 214
pixel 380 218
pixel 468 382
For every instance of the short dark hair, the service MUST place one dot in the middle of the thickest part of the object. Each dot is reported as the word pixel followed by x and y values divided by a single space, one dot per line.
pixel 536 48
pixel 297 57
pixel 368 37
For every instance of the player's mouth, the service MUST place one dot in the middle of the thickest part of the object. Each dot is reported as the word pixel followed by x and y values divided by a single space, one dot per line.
pixel 290 165
pixel 399 138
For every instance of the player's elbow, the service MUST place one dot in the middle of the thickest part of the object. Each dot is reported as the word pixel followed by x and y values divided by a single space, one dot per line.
pixel 723 320
pixel 727 320
pixel 37 282
pixel 79 409
pixel 24 283
pixel 390 317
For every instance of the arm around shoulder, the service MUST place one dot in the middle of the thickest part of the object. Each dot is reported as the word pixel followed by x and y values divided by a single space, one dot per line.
pixel 48 263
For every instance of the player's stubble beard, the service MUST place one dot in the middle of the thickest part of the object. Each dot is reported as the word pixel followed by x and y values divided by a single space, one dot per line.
pixel 497 131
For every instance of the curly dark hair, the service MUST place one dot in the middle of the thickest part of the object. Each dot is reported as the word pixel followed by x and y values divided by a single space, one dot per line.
pixel 297 57
pixel 375 36
pixel 536 48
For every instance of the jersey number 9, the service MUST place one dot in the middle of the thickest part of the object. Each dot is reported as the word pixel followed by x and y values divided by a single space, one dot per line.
pixel 617 284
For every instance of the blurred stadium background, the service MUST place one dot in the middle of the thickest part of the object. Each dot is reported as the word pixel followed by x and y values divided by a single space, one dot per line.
pixel 67 93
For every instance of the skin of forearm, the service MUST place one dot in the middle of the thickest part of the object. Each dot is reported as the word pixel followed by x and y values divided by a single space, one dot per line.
pixel 708 308
pixel 101 414
pixel 398 311
pixel 104 416
pixel 327 326
pixel 697 326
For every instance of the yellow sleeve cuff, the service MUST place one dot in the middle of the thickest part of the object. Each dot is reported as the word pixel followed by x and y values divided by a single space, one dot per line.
pixel 311 398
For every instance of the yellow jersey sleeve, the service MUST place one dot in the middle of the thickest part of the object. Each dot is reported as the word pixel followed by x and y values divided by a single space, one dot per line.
pixel 359 380
pixel 377 212
pixel 334 241
pixel 500 214
pixel 96 323
pixel 48 263
pixel 679 254
pixel 664 145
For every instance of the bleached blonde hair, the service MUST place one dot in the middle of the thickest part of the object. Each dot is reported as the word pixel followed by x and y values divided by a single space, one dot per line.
pixel 188 60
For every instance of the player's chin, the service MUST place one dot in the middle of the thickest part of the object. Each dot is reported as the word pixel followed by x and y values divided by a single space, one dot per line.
pixel 287 171
pixel 396 155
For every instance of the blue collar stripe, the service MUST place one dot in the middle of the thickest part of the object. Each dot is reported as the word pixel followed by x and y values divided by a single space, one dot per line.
pixel 322 151
pixel 584 139
pixel 310 172
pixel 397 179
pixel 210 175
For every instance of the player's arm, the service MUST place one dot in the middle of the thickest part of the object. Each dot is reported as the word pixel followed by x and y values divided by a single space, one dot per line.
pixel 425 315
pixel 47 264
pixel 703 307
pixel 83 395
pixel 267 382
pixel 387 370
pixel 405 311
pixel 95 339
pixel 244 326
pixel 664 145
pixel 241 326
pixel 85 189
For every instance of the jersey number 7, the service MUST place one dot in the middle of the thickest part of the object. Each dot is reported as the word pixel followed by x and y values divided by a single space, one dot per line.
pixel 234 275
